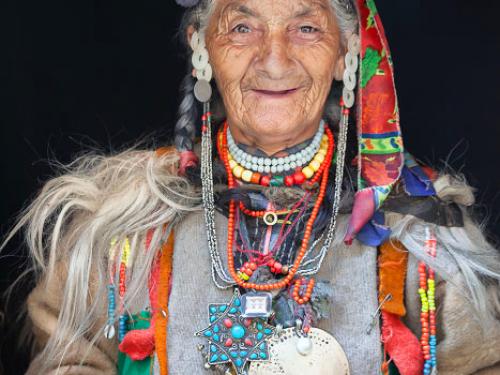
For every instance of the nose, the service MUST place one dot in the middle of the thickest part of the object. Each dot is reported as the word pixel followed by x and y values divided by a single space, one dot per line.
pixel 274 60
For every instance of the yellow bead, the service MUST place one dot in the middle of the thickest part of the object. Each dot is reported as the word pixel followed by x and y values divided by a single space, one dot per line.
pixel 246 175
pixel 308 172
pixel 320 157
pixel 244 276
pixel 232 164
pixel 324 138
pixel 314 164
pixel 237 171
pixel 322 151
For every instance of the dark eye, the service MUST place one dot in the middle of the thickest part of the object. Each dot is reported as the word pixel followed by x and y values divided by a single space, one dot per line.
pixel 308 29
pixel 241 28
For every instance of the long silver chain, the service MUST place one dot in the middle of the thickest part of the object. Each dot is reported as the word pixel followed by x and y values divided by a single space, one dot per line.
pixel 207 183
pixel 339 177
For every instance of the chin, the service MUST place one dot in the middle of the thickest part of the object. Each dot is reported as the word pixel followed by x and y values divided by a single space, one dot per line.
pixel 278 124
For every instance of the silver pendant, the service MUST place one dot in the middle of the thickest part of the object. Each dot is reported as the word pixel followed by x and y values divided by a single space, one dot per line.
pixel 233 338
pixel 256 305
pixel 291 353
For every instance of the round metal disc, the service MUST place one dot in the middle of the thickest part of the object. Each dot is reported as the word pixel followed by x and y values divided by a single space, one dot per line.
pixel 200 58
pixel 348 97
pixel 325 357
pixel 197 40
pixel 351 62
pixel 205 74
pixel 202 91
pixel 349 80
pixel 354 44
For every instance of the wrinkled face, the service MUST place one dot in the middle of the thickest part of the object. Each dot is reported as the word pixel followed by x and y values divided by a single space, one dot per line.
pixel 274 62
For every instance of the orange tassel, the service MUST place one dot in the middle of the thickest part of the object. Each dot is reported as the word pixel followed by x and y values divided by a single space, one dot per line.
pixel 161 314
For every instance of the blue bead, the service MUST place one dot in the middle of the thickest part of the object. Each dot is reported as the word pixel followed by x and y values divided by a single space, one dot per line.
pixel 253 356
pixel 213 348
pixel 213 309
pixel 216 329
pixel 237 331
pixel 207 333
pixel 214 358
pixel 224 357
pixel 259 336
pixel 234 354
pixel 233 310
pixel 213 318
pixel 263 355
pixel 259 326
pixel 222 308
pixel 268 331
pixel 237 302
pixel 262 346
pixel 216 337
pixel 243 353
pixel 238 362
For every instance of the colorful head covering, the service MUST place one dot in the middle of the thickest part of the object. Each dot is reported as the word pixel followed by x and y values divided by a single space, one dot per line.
pixel 380 155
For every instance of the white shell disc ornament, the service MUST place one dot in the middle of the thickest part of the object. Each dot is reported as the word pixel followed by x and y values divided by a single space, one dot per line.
pixel 317 353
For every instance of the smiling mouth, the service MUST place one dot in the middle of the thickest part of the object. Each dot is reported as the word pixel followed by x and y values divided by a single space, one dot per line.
pixel 276 93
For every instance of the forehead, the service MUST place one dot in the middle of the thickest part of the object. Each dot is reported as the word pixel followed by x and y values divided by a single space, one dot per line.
pixel 274 8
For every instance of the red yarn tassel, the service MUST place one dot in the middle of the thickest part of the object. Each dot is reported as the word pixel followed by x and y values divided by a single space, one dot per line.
pixel 402 345
pixel 139 344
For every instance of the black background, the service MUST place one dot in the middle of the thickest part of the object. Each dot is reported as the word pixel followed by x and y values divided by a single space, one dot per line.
pixel 80 74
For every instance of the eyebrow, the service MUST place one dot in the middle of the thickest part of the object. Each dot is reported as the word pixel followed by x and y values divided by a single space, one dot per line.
pixel 246 11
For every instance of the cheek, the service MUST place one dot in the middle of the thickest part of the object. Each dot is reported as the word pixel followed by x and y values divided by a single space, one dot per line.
pixel 230 65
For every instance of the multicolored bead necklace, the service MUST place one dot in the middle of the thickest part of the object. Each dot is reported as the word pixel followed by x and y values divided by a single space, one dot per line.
pixel 428 313
pixel 292 270
pixel 276 164
pixel 251 172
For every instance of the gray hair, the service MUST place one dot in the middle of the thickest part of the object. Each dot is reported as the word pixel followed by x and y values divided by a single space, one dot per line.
pixel 185 128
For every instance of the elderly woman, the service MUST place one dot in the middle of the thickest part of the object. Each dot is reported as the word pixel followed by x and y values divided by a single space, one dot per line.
pixel 251 253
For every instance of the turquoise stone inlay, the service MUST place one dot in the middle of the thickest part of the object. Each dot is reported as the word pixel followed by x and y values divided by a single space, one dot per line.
pixel 233 338
pixel 238 332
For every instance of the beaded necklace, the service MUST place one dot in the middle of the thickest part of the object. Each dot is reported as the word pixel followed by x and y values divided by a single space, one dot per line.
pixel 276 164
pixel 222 144
pixel 426 291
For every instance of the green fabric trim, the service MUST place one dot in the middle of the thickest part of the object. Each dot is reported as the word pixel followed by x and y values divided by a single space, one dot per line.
pixel 370 4
pixel 127 366
pixel 369 65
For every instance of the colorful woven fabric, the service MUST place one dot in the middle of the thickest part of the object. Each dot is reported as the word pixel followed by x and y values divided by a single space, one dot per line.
pixel 400 344
pixel 127 365
pixel 381 158
pixel 161 312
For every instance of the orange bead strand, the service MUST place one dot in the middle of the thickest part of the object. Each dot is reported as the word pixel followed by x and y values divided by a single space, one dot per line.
pixel 223 152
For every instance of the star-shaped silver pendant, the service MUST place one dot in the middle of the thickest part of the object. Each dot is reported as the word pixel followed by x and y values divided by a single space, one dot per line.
pixel 233 338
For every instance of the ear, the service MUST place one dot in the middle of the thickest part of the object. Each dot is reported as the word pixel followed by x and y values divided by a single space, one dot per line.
pixel 189 33
pixel 338 73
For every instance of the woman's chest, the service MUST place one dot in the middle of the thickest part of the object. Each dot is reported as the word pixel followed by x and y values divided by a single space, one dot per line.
pixel 351 318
